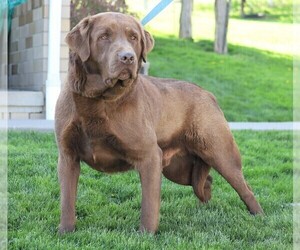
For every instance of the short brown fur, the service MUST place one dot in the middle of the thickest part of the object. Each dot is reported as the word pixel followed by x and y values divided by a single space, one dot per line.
pixel 114 119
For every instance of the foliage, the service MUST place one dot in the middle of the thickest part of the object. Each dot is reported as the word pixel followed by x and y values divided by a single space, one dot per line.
pixel 84 8
pixel 280 10
pixel 108 206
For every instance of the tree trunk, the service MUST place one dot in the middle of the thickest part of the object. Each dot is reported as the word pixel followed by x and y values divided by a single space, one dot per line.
pixel 243 2
pixel 222 8
pixel 271 3
pixel 185 30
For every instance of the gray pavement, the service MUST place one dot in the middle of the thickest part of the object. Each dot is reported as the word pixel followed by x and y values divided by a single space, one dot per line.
pixel 48 125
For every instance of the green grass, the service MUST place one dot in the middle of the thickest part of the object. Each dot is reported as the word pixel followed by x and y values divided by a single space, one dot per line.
pixel 250 84
pixel 254 82
pixel 108 206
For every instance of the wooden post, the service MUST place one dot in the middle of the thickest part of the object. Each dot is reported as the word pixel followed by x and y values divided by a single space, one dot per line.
pixel 222 8
pixel 186 19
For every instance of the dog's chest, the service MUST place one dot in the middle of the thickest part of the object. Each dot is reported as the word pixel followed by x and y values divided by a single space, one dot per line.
pixel 103 157
pixel 110 146
pixel 112 135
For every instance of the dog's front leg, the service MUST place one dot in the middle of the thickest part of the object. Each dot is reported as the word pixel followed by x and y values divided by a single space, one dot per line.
pixel 68 173
pixel 150 171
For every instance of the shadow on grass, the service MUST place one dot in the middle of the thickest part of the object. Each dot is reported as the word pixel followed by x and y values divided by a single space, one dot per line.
pixel 265 17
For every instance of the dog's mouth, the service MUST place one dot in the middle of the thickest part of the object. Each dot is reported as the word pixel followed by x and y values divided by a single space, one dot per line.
pixel 122 79
pixel 117 85
pixel 124 75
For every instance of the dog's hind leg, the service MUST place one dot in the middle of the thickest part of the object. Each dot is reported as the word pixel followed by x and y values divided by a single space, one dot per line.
pixel 231 170
pixel 223 155
pixel 215 145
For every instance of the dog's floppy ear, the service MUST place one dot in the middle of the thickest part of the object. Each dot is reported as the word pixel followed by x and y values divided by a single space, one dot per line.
pixel 78 39
pixel 147 44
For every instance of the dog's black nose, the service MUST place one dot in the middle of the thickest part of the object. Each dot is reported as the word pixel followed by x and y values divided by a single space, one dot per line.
pixel 126 57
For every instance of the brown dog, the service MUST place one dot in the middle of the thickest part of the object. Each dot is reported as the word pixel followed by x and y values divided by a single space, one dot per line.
pixel 114 119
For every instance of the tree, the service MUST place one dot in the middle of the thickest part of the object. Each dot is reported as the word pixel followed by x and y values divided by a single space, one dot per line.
pixel 243 2
pixel 83 8
pixel 185 30
pixel 271 3
pixel 221 15
pixel 250 7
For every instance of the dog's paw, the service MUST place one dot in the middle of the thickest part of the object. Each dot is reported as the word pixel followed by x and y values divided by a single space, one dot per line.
pixel 147 230
pixel 62 229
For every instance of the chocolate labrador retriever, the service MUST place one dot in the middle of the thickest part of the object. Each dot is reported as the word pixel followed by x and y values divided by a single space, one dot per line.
pixel 114 119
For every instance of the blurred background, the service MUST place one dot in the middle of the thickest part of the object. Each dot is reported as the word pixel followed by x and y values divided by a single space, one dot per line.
pixel 240 50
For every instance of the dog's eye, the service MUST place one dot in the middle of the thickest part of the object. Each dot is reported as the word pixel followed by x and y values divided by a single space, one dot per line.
pixel 104 37
pixel 133 37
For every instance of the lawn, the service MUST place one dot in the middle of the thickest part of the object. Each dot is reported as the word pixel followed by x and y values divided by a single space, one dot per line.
pixel 254 82
pixel 250 84
pixel 108 206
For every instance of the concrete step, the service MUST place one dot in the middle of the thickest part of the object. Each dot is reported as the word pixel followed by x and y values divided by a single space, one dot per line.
pixel 22 105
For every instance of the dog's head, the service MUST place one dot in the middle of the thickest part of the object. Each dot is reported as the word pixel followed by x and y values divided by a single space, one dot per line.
pixel 108 50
